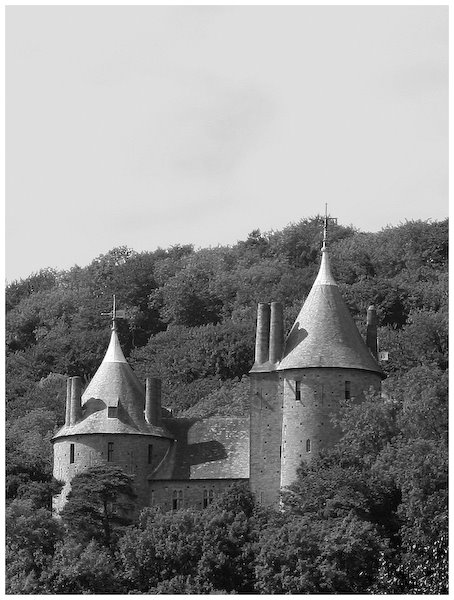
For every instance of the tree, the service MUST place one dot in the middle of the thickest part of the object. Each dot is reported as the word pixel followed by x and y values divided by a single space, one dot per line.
pixel 31 538
pixel 163 546
pixel 100 504
pixel 29 458
pixel 79 568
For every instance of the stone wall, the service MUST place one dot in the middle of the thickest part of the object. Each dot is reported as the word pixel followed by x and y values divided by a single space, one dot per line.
pixel 186 493
pixel 265 436
pixel 130 452
pixel 306 422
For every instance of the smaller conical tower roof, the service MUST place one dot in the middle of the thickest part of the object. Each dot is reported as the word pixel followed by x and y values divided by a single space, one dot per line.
pixel 116 383
pixel 114 386
pixel 324 333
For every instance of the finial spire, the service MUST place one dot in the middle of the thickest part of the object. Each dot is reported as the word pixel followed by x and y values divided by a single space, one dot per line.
pixel 326 220
pixel 115 314
pixel 325 227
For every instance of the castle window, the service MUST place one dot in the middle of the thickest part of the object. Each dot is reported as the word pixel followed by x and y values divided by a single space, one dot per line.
pixel 109 451
pixel 347 390
pixel 298 391
pixel 177 499
pixel 208 497
pixel 150 453
pixel 71 453
pixel 111 412
pixel 308 445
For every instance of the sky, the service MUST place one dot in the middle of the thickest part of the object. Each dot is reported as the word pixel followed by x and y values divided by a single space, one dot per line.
pixel 151 126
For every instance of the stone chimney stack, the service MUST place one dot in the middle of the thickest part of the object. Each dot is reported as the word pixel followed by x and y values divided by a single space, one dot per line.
pixel 68 402
pixel 262 340
pixel 76 396
pixel 371 336
pixel 153 401
pixel 276 332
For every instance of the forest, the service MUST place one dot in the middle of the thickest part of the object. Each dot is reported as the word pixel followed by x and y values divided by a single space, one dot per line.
pixel 368 516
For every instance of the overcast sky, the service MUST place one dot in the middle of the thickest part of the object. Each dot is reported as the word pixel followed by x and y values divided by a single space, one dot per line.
pixel 151 126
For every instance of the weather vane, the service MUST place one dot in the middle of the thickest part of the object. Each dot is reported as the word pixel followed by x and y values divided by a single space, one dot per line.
pixel 115 314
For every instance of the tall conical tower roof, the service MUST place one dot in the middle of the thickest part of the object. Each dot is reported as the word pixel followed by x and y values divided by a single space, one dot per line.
pixel 324 333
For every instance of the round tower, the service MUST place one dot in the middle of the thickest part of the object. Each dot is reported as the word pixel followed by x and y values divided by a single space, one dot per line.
pixel 114 421
pixel 325 360
pixel 298 385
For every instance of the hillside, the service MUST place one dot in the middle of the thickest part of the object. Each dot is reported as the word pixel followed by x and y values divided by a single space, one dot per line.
pixel 190 319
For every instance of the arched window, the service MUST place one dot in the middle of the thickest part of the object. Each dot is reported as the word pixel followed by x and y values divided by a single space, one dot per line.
pixel 308 445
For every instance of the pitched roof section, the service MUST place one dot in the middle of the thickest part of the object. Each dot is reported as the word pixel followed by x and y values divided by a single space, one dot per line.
pixel 324 333
pixel 212 448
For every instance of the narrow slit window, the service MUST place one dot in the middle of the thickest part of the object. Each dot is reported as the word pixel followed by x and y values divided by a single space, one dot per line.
pixel 205 498
pixel 298 391
pixel 347 390
pixel 150 453
pixel 71 453
pixel 308 445
pixel 109 451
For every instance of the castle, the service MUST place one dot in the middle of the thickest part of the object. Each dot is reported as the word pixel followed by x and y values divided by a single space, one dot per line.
pixel 297 383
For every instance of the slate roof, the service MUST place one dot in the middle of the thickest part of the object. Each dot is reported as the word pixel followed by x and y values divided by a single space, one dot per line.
pixel 114 385
pixel 212 448
pixel 324 333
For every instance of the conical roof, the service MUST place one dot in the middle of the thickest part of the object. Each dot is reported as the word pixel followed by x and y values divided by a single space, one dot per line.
pixel 324 333
pixel 114 385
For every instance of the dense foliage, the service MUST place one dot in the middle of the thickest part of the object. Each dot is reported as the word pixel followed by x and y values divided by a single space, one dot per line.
pixel 368 516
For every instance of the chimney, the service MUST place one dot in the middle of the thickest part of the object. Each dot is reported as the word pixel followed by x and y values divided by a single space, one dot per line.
pixel 76 396
pixel 371 336
pixel 276 332
pixel 68 402
pixel 153 401
pixel 262 339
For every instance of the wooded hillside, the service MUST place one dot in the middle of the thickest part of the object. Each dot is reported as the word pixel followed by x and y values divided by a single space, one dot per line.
pixel 191 320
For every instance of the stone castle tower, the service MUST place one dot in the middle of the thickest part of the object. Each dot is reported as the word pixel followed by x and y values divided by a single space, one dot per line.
pixel 297 384
pixel 115 420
